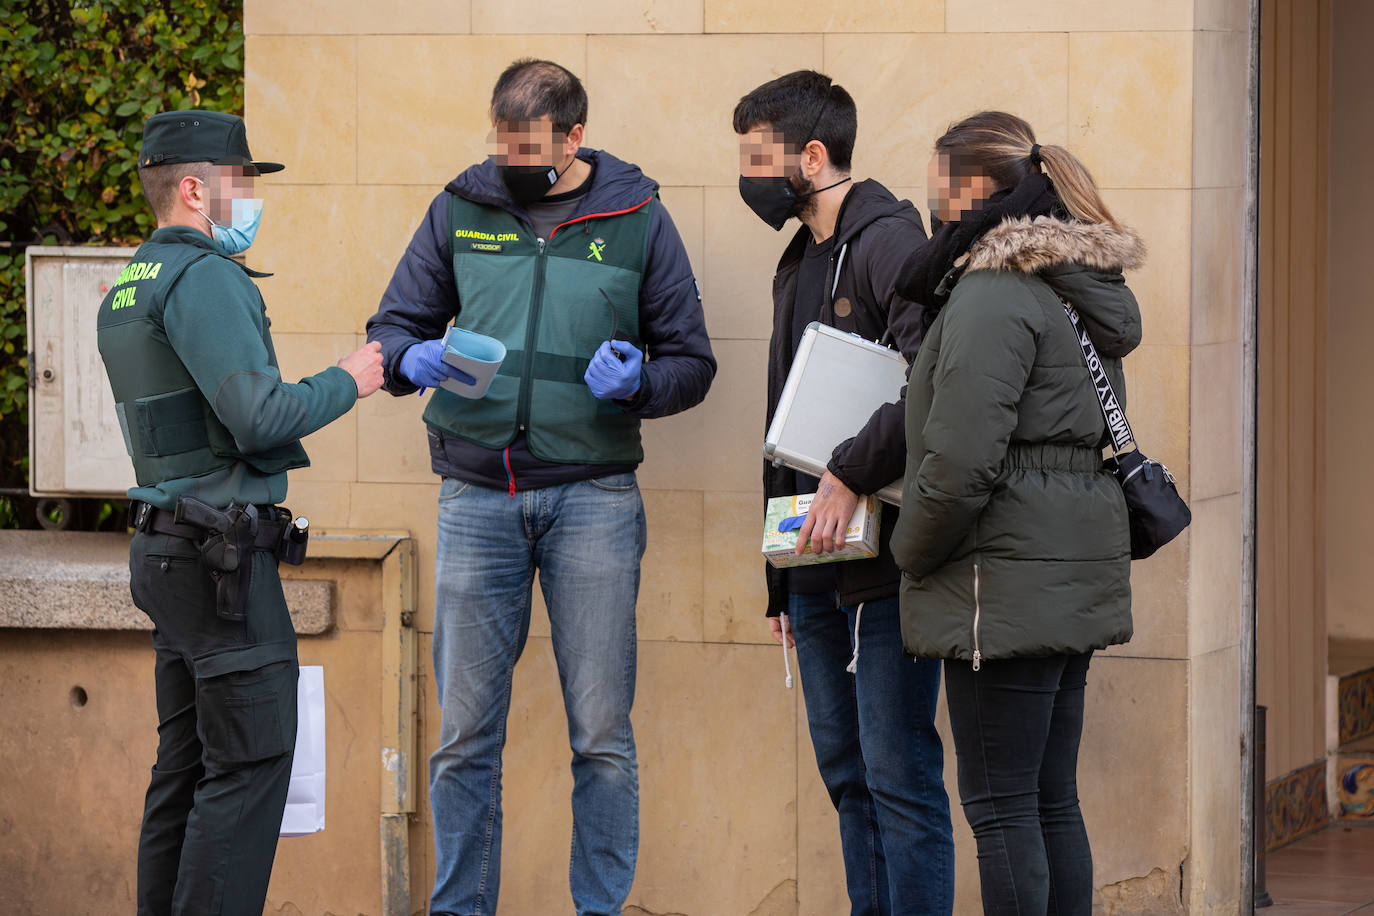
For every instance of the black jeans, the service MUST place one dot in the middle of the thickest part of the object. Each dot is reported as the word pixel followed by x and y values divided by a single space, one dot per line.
pixel 1016 725
pixel 226 707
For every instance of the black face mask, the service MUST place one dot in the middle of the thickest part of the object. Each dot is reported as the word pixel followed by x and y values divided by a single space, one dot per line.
pixel 774 200
pixel 528 183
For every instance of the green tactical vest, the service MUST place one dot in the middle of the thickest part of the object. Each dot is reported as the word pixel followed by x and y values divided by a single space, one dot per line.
pixel 170 429
pixel 543 300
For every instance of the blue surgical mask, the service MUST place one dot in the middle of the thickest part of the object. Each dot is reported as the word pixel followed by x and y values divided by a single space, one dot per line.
pixel 235 238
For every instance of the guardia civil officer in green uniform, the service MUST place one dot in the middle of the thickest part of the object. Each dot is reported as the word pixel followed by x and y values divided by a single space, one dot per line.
pixel 568 257
pixel 212 430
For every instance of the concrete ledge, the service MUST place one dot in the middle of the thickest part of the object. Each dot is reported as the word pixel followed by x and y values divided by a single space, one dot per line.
pixel 80 581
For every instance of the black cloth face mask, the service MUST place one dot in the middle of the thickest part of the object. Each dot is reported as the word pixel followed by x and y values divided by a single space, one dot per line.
pixel 774 200
pixel 528 183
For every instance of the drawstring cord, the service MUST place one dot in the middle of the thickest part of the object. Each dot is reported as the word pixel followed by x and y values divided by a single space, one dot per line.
pixel 853 666
pixel 838 264
pixel 786 664
pixel 510 475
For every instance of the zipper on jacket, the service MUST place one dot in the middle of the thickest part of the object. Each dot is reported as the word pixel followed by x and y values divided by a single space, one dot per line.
pixel 587 217
pixel 977 621
pixel 522 417
pixel 536 306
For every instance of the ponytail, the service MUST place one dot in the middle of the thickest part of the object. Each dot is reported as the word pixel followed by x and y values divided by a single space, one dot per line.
pixel 1075 186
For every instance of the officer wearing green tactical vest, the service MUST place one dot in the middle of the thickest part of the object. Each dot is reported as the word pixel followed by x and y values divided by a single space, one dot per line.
pixel 568 258
pixel 212 430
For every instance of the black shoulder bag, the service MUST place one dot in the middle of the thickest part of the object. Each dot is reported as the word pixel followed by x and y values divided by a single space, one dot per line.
pixel 1156 511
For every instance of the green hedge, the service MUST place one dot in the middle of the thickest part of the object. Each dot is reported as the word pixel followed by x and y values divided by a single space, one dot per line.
pixel 80 77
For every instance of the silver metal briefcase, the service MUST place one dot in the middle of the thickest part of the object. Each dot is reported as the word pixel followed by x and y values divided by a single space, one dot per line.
pixel 837 380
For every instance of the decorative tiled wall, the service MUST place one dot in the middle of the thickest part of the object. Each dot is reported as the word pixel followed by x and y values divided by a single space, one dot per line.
pixel 1355 787
pixel 1356 704
pixel 1295 805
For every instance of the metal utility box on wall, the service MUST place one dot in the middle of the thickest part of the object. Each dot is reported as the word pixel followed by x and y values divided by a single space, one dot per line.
pixel 75 444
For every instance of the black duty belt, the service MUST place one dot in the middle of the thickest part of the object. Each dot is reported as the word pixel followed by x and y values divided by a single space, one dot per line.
pixel 272 520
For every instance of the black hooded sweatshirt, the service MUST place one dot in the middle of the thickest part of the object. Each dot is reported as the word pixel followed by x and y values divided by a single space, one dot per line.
pixel 874 234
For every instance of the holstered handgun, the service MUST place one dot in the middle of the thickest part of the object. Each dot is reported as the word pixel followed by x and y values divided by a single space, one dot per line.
pixel 227 550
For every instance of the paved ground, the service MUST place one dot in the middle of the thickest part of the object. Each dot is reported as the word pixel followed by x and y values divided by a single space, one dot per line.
pixel 1330 873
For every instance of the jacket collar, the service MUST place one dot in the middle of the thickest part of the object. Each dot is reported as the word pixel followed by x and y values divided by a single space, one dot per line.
pixel 188 235
pixel 616 185
pixel 185 235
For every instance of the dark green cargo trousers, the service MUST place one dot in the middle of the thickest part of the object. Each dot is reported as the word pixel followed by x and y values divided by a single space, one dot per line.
pixel 226 705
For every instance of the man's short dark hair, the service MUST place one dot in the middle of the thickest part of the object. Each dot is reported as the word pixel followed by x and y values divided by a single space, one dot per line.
pixel 529 89
pixel 792 103
pixel 160 183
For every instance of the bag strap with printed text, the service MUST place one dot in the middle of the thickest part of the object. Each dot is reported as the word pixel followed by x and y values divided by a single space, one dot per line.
pixel 1112 411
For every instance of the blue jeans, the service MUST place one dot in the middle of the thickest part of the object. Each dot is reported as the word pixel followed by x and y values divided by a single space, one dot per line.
pixel 586 540
pixel 879 755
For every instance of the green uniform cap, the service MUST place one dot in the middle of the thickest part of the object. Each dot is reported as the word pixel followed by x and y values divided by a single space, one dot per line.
pixel 198 136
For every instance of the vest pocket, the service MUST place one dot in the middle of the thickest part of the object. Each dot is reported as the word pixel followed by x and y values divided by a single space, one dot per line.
pixel 171 423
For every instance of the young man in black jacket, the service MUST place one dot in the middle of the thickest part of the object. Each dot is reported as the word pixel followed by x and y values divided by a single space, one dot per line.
pixel 873 730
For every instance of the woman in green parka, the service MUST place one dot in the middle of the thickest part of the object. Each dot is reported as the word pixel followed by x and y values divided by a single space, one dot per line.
pixel 1013 538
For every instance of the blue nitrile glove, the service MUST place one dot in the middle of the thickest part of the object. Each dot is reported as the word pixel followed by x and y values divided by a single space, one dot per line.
pixel 423 365
pixel 610 377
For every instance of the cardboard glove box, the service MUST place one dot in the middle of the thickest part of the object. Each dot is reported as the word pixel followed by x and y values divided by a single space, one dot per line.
pixel 783 521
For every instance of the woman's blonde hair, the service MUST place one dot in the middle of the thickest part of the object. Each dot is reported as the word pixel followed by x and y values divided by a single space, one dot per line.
pixel 1002 146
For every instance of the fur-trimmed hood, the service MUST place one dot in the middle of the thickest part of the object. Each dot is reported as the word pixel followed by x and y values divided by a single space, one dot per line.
pixel 1032 246
pixel 1081 262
